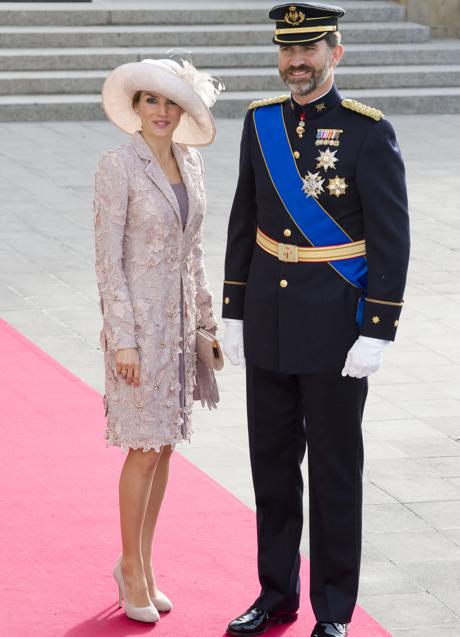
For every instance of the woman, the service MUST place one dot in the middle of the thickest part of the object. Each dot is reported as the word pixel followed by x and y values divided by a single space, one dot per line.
pixel 148 212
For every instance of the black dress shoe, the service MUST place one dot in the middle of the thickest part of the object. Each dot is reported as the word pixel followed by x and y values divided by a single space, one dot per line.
pixel 330 629
pixel 256 621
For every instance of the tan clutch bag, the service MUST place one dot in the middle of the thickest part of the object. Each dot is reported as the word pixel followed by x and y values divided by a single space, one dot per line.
pixel 208 349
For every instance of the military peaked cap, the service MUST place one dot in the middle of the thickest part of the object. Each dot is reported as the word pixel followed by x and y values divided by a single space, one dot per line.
pixel 297 23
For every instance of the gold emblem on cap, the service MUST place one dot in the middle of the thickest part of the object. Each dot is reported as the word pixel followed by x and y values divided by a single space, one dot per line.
pixel 294 17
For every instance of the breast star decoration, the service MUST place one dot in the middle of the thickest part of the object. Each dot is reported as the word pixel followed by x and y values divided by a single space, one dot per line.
pixel 312 184
pixel 326 159
pixel 337 186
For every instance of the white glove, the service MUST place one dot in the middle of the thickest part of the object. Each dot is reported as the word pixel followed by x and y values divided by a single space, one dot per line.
pixel 232 342
pixel 365 357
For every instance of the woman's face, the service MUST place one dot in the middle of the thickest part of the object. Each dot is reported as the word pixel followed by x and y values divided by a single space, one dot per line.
pixel 159 115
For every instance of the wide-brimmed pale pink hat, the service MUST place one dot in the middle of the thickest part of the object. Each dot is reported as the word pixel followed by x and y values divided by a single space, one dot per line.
pixel 191 89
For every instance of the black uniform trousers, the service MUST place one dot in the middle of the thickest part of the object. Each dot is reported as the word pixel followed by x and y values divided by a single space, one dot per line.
pixel 285 413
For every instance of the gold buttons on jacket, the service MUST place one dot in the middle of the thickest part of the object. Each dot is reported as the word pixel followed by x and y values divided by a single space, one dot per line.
pixel 296 154
pixel 283 283
pixel 227 300
pixel 287 232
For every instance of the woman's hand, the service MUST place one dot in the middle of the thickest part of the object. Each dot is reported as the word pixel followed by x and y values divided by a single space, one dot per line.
pixel 127 365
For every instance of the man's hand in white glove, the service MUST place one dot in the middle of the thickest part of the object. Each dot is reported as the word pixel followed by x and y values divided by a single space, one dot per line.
pixel 365 357
pixel 232 343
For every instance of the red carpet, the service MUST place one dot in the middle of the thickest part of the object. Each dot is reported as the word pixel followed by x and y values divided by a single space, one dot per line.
pixel 59 522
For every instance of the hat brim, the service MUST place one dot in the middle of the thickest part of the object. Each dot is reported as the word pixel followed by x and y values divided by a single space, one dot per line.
pixel 196 126
pixel 292 38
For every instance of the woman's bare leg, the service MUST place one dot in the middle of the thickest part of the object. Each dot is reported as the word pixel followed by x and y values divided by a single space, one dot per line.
pixel 135 489
pixel 160 480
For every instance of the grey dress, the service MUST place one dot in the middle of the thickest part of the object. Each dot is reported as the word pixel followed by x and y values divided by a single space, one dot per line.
pixel 181 196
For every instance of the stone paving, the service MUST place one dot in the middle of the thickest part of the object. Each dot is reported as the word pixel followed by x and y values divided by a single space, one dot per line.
pixel 411 567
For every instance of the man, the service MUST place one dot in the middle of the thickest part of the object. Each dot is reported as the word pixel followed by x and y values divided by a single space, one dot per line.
pixel 316 262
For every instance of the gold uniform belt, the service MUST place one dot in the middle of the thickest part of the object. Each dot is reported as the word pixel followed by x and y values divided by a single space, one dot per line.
pixel 309 254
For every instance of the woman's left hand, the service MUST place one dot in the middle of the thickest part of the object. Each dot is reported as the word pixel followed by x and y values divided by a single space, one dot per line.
pixel 127 365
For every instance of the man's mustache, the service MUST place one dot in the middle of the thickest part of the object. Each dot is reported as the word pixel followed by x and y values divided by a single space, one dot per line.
pixel 292 69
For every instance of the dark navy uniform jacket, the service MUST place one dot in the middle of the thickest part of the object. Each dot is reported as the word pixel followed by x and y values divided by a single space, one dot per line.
pixel 309 324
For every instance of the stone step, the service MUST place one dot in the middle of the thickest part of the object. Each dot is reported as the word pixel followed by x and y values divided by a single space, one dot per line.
pixel 390 101
pixel 348 78
pixel 23 14
pixel 433 52
pixel 195 35
pixel 236 79
pixel 88 107
pixel 55 56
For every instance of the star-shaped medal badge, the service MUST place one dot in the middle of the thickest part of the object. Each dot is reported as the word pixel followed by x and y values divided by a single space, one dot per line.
pixel 312 184
pixel 326 159
pixel 337 186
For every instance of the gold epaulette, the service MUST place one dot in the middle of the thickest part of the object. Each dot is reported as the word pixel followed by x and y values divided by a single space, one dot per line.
pixel 368 111
pixel 268 100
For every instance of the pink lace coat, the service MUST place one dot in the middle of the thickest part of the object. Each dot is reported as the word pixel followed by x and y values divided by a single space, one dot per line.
pixel 142 254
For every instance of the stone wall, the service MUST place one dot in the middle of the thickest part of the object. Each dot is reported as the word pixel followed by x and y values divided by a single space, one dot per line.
pixel 443 16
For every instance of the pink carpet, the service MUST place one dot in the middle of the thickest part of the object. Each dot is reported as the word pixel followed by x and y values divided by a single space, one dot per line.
pixel 59 521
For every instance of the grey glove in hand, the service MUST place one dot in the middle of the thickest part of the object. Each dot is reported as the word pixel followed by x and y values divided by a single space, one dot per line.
pixel 206 387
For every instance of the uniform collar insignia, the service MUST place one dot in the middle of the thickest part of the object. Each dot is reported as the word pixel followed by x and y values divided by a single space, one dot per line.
pixel 318 107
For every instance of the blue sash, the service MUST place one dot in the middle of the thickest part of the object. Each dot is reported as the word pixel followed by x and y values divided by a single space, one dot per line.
pixel 310 217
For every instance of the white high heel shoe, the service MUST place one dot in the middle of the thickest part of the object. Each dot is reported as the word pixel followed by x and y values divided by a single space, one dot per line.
pixel 147 614
pixel 161 602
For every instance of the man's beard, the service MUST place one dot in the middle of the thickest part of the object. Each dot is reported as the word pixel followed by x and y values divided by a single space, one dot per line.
pixel 305 87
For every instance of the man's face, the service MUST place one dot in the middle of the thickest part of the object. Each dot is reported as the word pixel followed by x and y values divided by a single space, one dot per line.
pixel 305 67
